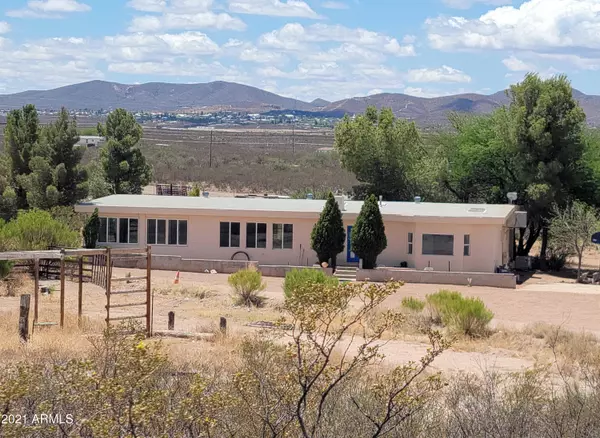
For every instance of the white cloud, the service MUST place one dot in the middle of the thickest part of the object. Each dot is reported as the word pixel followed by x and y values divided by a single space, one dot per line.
pixel 442 74
pixel 148 5
pixel 48 9
pixel 189 67
pixel 144 47
pixel 294 37
pixel 334 5
pixel 577 61
pixel 428 93
pixel 252 54
pixel 274 8
pixel 4 27
pixel 515 64
pixel 538 25
pixel 200 20
pixel 345 52
pixel 466 4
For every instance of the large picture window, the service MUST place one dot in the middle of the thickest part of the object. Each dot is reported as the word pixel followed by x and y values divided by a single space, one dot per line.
pixel 163 232
pixel 256 235
pixel 283 236
pixel 121 230
pixel 438 244
pixel 229 235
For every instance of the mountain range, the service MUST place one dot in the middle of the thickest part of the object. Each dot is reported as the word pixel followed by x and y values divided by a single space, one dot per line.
pixel 213 96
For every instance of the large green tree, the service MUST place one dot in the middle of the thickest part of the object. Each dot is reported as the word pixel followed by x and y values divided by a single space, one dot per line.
pixel 21 137
pixel 382 151
pixel 8 196
pixel 368 233
pixel 123 163
pixel 56 176
pixel 328 236
pixel 547 126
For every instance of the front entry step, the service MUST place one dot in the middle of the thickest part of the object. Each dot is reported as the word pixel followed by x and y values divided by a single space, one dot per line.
pixel 345 273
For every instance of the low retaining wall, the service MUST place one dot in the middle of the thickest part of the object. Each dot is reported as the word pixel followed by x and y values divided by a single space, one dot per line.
pixel 281 270
pixel 506 281
pixel 176 263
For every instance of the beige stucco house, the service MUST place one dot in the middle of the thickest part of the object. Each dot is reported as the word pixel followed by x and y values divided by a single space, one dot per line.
pixel 455 237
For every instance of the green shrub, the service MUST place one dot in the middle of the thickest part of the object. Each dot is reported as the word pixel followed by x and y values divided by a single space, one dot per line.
pixel 414 304
pixel 5 268
pixel 301 277
pixel 557 260
pixel 37 230
pixel 246 285
pixel 468 316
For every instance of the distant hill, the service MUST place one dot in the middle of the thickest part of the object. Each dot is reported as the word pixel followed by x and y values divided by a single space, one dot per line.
pixel 214 96
pixel 96 95
pixel 320 102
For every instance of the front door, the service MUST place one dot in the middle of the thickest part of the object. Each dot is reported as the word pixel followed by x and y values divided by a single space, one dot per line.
pixel 350 256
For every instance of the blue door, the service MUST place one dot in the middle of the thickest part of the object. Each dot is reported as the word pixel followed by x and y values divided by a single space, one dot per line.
pixel 350 256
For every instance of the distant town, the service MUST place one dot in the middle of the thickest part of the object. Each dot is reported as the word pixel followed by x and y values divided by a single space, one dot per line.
pixel 217 119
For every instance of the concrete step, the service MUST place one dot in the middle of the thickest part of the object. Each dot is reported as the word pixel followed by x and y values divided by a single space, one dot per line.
pixel 345 273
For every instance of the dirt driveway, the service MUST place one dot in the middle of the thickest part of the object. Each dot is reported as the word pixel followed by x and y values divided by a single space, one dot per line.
pixel 575 307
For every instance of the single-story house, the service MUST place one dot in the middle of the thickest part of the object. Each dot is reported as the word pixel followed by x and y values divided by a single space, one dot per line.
pixel 455 237
pixel 91 140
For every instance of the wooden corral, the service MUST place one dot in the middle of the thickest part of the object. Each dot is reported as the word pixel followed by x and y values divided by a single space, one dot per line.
pixel 86 265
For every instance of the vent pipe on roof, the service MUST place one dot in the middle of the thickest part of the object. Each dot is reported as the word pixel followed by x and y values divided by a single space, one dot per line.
pixel 417 199
pixel 380 201
pixel 341 203
pixel 310 196
pixel 205 194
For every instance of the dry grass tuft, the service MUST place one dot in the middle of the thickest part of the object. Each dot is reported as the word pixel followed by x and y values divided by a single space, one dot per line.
pixel 198 292
pixel 16 284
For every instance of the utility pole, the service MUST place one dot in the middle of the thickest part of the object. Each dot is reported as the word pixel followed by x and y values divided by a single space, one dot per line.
pixel 210 150
pixel 294 129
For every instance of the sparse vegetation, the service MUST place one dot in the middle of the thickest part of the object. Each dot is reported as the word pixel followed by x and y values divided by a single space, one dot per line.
pixel 467 316
pixel 414 304
pixel 197 292
pixel 247 285
pixel 300 278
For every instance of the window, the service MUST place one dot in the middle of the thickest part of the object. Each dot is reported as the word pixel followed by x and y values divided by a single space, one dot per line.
pixel 157 232
pixel 410 243
pixel 163 232
pixel 283 236
pixel 467 245
pixel 256 235
pixel 229 234
pixel 118 230
pixel 438 244
pixel 112 230
pixel 102 230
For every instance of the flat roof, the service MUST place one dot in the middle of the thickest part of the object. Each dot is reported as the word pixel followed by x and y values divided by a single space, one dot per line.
pixel 308 207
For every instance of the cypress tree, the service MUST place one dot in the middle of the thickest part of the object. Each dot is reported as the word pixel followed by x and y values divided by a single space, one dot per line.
pixel 90 231
pixel 368 234
pixel 328 235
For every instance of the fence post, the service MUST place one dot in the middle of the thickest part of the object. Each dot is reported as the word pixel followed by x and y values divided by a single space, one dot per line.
pixel 108 282
pixel 149 303
pixel 223 325
pixel 36 292
pixel 24 317
pixel 62 289
pixel 80 293
pixel 171 320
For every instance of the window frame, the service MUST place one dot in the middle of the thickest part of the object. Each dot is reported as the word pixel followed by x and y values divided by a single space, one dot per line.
pixel 433 253
pixel 466 245
pixel 282 225
pixel 256 224
pixel 107 220
pixel 156 231
pixel 230 234
pixel 411 240
pixel 167 231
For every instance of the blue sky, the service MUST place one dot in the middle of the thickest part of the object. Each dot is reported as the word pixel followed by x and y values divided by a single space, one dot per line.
pixel 301 48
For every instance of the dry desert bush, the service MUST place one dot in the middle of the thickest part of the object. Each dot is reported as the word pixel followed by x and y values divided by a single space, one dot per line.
pixel 299 383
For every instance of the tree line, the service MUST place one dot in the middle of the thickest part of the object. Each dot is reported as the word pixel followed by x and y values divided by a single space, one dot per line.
pixel 538 146
pixel 41 167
